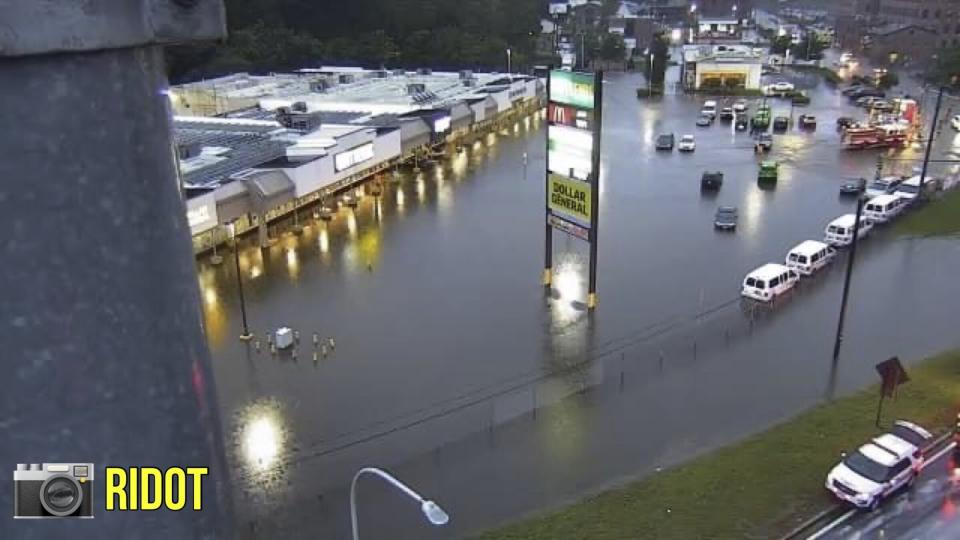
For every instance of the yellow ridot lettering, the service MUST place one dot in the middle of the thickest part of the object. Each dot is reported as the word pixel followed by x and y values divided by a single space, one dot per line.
pixel 116 481
pixel 175 491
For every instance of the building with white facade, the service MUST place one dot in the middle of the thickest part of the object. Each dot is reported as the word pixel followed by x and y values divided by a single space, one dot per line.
pixel 721 66
pixel 310 140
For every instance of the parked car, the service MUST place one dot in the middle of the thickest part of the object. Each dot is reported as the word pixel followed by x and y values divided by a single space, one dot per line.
pixel 764 143
pixel 726 218
pixel 910 188
pixel 867 92
pixel 866 101
pixel 839 232
pixel 780 87
pixel 883 208
pixel 852 89
pixel 711 181
pixel 781 123
pixel 809 256
pixel 705 120
pixel 741 106
pixel 845 122
pixel 876 470
pixel 726 113
pixel 912 433
pixel 808 121
pixel 768 282
pixel 853 187
pixel 741 123
pixel 881 105
pixel 665 141
pixel 709 109
pixel 883 186
pixel 687 144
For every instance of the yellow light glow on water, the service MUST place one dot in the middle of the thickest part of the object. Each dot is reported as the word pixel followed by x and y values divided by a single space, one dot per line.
pixel 400 198
pixel 352 223
pixel 458 165
pixel 293 263
pixel 209 295
pixel 261 440
pixel 255 272
pixel 324 240
pixel 261 443
pixel 421 188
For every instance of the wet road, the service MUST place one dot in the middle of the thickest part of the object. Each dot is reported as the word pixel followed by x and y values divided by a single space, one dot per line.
pixel 452 370
pixel 928 511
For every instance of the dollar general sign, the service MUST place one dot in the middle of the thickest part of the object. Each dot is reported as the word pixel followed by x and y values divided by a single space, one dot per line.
pixel 569 198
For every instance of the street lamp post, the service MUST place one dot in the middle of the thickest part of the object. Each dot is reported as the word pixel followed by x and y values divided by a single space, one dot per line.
pixel 509 62
pixel 246 335
pixel 431 510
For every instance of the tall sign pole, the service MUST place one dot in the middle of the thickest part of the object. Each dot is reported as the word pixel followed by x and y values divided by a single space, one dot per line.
pixel 574 108
pixel 548 246
pixel 595 186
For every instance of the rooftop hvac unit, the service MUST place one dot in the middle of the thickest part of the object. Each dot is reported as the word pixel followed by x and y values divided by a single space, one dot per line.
pixel 424 71
pixel 320 85
pixel 345 78
pixel 466 74
pixel 187 151
pixel 416 88
pixel 399 72
pixel 381 74
pixel 471 82
pixel 299 106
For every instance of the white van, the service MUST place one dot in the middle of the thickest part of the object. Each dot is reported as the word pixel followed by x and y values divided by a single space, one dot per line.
pixel 709 108
pixel 883 208
pixel 768 282
pixel 810 256
pixel 840 231
pixel 909 189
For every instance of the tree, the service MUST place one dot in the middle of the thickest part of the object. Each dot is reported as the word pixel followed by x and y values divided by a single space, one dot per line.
pixel 810 48
pixel 946 70
pixel 888 80
pixel 660 48
pixel 780 45
pixel 612 47
pixel 609 8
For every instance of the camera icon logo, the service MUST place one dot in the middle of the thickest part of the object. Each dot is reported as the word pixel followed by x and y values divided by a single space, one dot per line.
pixel 53 490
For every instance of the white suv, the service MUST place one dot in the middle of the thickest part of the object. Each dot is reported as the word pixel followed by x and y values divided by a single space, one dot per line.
pixel 879 468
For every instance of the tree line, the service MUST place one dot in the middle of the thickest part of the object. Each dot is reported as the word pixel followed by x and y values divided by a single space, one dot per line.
pixel 277 35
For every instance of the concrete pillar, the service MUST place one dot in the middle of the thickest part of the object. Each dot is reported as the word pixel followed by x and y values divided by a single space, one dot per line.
pixel 263 231
pixel 102 339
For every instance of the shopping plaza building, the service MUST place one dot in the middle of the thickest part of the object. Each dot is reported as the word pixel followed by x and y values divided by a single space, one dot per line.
pixel 253 149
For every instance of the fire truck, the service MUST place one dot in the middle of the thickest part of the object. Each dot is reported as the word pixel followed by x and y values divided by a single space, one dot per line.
pixel 883 136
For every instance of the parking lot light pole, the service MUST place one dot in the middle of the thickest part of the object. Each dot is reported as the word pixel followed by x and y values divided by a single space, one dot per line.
pixel 431 510
pixel 926 156
pixel 246 335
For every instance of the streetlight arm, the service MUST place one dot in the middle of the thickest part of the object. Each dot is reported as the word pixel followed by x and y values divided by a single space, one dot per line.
pixel 430 509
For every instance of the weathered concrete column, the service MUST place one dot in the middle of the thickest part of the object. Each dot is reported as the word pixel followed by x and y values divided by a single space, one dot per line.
pixel 263 231
pixel 101 335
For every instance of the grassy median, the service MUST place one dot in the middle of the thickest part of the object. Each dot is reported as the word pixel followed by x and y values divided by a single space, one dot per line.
pixel 759 488
pixel 938 217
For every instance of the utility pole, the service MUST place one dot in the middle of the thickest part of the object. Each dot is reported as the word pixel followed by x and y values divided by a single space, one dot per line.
pixel 846 292
pixel 926 156
pixel 126 346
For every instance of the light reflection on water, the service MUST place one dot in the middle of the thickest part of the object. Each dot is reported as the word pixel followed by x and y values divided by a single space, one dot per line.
pixel 261 443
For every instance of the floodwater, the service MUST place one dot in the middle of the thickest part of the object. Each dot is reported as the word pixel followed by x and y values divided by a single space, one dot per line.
pixel 453 370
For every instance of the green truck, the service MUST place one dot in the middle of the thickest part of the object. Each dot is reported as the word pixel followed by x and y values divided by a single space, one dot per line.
pixel 761 120
pixel 768 171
